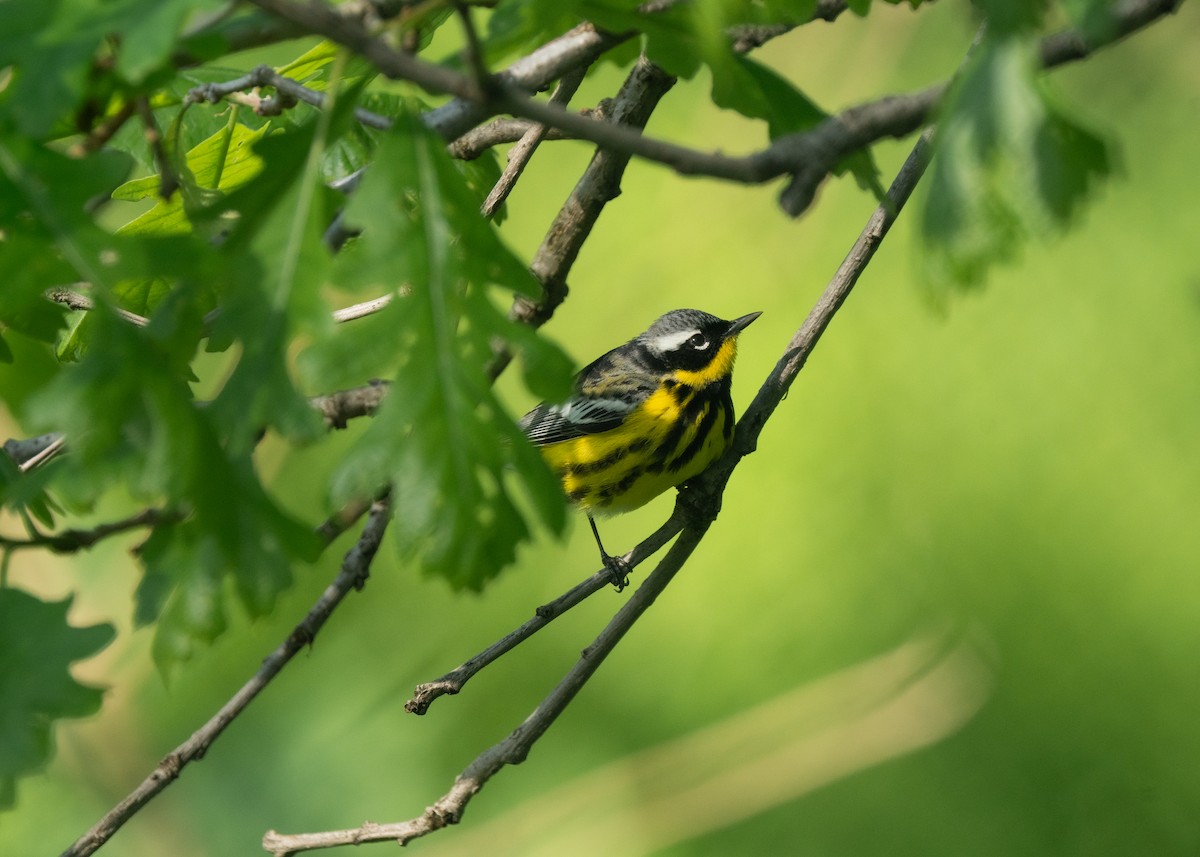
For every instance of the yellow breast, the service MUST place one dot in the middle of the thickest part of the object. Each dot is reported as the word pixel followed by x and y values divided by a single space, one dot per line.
pixel 660 445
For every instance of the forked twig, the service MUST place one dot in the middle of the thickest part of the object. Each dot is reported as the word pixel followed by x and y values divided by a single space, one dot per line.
pixel 453 681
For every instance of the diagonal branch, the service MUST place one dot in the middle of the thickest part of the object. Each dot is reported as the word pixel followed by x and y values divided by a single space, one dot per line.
pixel 353 575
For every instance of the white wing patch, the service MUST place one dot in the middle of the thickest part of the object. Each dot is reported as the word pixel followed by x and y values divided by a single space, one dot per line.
pixel 584 412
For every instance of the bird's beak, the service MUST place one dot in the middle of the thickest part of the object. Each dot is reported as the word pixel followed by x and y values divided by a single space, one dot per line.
pixel 739 324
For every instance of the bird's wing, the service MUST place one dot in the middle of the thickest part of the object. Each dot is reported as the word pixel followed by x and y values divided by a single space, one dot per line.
pixel 602 401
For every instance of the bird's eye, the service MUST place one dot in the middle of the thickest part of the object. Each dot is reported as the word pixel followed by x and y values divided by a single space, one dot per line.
pixel 698 341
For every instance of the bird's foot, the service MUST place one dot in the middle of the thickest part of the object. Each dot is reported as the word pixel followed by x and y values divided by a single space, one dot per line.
pixel 618 570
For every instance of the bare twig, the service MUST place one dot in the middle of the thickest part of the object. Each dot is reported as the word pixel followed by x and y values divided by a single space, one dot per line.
pixel 264 75
pixel 473 51
pixel 338 408
pixel 503 130
pixel 576 48
pixel 79 301
pixel 600 183
pixel 773 390
pixel 453 681
pixel 343 519
pixel 168 182
pixel 519 155
pixel 53 448
pixel 362 310
pixel 103 132
pixel 72 541
pixel 23 450
pixel 353 575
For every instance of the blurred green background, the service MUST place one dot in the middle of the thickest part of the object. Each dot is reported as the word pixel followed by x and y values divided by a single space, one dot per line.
pixel 952 605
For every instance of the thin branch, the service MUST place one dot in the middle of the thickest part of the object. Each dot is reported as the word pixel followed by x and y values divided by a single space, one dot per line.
pixel 747 37
pixel 353 575
pixel 362 310
pixel 808 156
pixel 72 541
pixel 53 448
pixel 259 28
pixel 79 301
pixel 600 183
pixel 340 407
pixel 478 140
pixel 802 343
pixel 343 519
pixel 102 133
pixel 473 51
pixel 345 30
pixel 453 681
pixel 519 155
pixel 576 48
pixel 264 75
pixel 168 182
pixel 21 451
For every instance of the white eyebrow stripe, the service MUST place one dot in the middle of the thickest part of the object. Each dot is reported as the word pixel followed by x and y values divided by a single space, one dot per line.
pixel 672 341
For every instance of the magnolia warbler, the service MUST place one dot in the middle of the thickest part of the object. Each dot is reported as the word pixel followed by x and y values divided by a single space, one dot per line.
pixel 647 416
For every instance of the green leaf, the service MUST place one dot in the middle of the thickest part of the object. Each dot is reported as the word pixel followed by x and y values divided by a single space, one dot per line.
pixel 26 492
pixel 278 234
pixel 441 437
pixel 225 161
pixel 28 268
pixel 37 647
pixel 52 192
pixel 758 92
pixel 1095 18
pixel 278 221
pixel 144 431
pixel 187 128
pixel 1010 17
pixel 237 534
pixel 1009 163
pixel 516 25
pixel 149 32
pixel 52 45
pixel 742 84
pixel 140 297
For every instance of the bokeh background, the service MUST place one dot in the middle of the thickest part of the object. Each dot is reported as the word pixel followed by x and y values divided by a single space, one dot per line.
pixel 951 606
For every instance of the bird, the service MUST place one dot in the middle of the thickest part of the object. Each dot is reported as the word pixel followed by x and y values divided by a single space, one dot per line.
pixel 647 416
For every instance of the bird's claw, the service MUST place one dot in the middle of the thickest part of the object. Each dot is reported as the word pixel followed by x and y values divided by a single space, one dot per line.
pixel 618 571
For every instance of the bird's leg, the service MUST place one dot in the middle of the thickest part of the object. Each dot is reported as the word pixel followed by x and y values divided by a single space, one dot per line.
pixel 617 567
